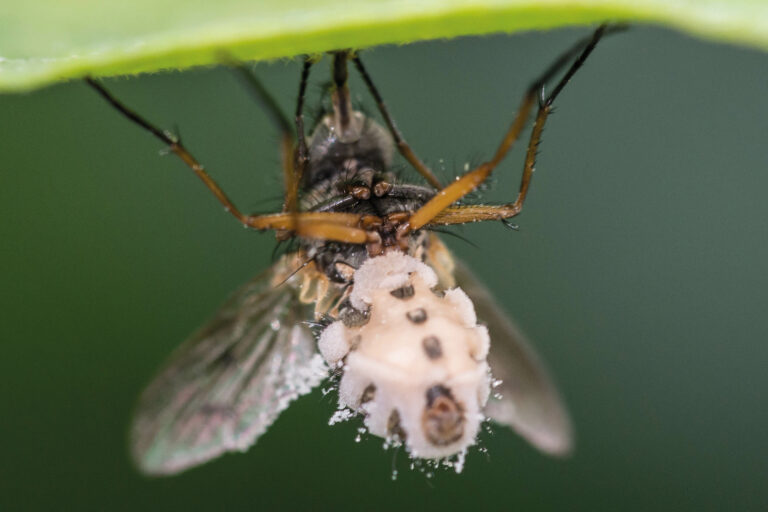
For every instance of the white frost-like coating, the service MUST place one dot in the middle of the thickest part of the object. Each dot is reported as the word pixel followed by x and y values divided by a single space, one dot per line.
pixel 480 351
pixel 464 307
pixel 333 344
pixel 417 368
pixel 387 272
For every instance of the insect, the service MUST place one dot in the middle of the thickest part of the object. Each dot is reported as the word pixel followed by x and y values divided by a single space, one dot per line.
pixel 417 342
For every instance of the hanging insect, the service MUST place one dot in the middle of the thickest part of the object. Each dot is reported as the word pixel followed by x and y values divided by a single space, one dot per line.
pixel 399 316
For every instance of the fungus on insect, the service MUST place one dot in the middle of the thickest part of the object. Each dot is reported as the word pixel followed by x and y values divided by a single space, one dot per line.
pixel 399 318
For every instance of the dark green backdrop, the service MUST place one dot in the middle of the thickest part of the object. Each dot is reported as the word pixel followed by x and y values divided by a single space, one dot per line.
pixel 639 270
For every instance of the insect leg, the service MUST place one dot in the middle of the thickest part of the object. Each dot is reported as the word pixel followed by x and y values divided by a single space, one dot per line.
pixel 469 181
pixel 402 145
pixel 342 103
pixel 286 220
pixel 263 97
pixel 275 114
pixel 294 174
pixel 473 213
pixel 341 227
pixel 174 144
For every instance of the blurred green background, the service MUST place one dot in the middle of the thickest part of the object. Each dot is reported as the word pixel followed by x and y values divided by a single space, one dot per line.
pixel 639 272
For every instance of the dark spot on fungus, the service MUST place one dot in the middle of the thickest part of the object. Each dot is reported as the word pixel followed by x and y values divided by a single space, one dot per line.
pixel 368 394
pixel 405 292
pixel 417 316
pixel 393 426
pixel 432 347
pixel 443 417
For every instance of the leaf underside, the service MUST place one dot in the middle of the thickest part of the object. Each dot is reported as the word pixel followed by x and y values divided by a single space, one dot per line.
pixel 45 41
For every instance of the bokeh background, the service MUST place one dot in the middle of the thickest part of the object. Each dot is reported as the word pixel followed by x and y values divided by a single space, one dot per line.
pixel 639 271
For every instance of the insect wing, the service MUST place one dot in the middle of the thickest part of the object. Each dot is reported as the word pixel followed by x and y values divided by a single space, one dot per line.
pixel 530 402
pixel 223 387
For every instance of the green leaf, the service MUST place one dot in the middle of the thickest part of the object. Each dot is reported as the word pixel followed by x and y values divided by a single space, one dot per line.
pixel 43 41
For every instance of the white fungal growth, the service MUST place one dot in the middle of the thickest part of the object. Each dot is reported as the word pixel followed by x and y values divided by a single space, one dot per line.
pixel 386 273
pixel 333 344
pixel 416 368
pixel 340 416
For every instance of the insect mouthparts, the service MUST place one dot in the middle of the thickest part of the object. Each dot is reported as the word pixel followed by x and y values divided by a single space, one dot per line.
pixel 416 370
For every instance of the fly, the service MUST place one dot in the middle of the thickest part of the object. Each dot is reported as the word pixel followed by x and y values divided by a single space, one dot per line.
pixel 407 328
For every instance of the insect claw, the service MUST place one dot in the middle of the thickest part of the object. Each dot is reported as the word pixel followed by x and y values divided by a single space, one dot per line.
pixel 176 135
pixel 543 96
pixel 175 140
pixel 510 225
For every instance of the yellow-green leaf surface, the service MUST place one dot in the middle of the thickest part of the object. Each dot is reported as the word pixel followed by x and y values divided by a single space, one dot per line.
pixel 43 41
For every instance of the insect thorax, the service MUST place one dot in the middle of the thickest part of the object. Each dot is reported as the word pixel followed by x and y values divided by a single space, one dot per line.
pixel 336 156
pixel 350 172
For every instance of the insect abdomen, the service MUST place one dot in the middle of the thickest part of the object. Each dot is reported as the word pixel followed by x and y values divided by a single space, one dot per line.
pixel 417 368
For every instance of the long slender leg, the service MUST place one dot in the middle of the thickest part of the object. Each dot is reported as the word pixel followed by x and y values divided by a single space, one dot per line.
pixel 175 145
pixel 341 227
pixel 284 220
pixel 275 114
pixel 342 103
pixel 293 179
pixel 469 181
pixel 326 225
pixel 472 213
pixel 402 145
pixel 263 97
pixel 296 162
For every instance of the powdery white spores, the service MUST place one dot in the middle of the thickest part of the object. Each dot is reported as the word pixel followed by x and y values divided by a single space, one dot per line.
pixel 416 370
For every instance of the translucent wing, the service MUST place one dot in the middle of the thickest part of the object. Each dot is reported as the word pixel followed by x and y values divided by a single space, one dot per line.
pixel 222 388
pixel 530 402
